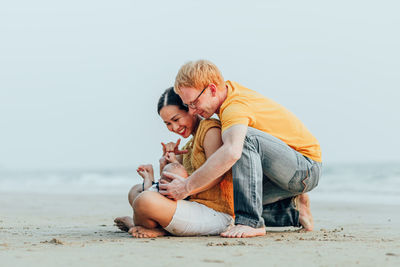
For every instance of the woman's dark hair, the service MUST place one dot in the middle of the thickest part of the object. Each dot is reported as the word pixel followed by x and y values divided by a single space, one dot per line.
pixel 170 98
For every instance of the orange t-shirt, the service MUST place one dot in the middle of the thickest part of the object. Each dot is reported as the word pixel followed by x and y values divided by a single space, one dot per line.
pixel 245 106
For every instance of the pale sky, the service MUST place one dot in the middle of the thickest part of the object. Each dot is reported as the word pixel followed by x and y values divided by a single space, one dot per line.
pixel 80 80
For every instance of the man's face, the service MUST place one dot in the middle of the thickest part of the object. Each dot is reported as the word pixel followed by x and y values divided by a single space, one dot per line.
pixel 199 102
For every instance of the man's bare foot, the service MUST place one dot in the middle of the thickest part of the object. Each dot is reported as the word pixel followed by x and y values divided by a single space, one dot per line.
pixel 124 223
pixel 142 232
pixel 305 216
pixel 240 231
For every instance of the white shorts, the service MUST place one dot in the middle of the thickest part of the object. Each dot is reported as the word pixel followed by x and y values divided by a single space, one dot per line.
pixel 192 218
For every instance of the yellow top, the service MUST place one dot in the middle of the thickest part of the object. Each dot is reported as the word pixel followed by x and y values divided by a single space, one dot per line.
pixel 220 196
pixel 245 106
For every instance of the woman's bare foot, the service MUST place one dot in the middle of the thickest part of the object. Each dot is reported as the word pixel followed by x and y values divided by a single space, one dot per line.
pixel 124 223
pixel 240 231
pixel 305 216
pixel 142 232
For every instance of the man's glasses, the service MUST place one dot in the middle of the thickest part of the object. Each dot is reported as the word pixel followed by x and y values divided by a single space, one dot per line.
pixel 192 104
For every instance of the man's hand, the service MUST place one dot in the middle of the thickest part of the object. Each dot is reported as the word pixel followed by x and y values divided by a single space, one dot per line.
pixel 173 147
pixel 175 188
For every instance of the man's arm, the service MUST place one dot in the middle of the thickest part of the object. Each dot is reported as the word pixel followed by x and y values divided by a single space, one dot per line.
pixel 215 166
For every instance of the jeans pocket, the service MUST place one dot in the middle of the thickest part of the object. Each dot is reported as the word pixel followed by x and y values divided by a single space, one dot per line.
pixel 305 180
pixel 306 176
pixel 298 183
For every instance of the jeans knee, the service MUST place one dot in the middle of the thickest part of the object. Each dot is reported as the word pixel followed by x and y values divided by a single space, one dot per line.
pixel 304 180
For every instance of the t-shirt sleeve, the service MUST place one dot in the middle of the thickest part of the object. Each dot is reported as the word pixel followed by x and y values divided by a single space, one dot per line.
pixel 236 113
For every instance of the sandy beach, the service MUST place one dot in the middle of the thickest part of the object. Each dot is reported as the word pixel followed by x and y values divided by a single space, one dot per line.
pixel 78 230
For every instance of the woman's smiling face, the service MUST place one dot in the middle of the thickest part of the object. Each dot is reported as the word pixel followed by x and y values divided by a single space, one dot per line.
pixel 178 120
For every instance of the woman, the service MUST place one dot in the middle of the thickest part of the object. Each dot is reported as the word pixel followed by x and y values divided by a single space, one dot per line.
pixel 209 212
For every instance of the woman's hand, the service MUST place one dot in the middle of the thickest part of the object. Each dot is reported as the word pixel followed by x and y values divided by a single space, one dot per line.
pixel 173 147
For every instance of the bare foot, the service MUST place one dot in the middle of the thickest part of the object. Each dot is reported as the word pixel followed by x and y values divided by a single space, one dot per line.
pixel 243 231
pixel 124 223
pixel 142 232
pixel 305 216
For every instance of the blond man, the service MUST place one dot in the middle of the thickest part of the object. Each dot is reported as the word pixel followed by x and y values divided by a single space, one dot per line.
pixel 273 156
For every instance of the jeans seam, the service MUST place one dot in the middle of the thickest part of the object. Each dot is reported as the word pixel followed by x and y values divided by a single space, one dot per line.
pixel 253 194
pixel 253 185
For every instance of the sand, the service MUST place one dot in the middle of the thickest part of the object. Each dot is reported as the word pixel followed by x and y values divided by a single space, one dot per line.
pixel 78 230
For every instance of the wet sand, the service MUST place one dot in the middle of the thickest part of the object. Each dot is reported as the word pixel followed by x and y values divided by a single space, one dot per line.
pixel 78 230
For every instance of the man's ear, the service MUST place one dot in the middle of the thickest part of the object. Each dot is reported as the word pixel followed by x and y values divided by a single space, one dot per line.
pixel 213 89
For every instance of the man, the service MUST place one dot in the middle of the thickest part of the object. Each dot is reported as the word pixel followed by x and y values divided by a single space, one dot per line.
pixel 272 154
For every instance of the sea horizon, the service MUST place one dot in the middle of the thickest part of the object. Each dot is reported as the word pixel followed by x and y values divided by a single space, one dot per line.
pixel 343 182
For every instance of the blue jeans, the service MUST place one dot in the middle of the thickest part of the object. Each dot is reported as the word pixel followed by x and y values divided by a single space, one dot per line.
pixel 267 177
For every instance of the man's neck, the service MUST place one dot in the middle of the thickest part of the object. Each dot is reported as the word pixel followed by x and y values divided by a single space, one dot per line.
pixel 222 98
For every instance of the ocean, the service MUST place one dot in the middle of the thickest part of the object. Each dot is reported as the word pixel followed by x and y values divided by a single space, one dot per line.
pixel 362 183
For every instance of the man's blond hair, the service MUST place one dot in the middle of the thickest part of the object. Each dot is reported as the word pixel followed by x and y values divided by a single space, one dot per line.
pixel 198 74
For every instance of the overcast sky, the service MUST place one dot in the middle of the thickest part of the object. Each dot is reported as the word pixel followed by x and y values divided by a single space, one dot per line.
pixel 79 80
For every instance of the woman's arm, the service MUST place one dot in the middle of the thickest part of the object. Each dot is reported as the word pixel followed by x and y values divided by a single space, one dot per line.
pixel 212 141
